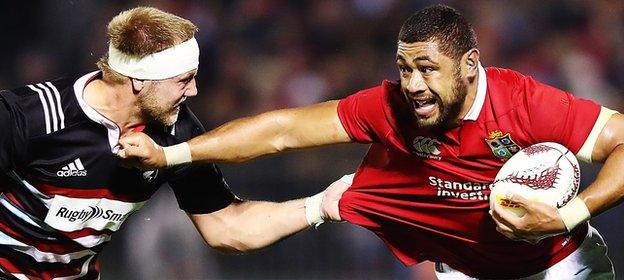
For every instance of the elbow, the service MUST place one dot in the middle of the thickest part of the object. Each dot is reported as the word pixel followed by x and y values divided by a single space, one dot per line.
pixel 233 247
pixel 240 159
pixel 226 248
pixel 281 138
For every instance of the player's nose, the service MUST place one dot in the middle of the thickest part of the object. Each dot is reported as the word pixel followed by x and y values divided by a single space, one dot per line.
pixel 416 84
pixel 191 89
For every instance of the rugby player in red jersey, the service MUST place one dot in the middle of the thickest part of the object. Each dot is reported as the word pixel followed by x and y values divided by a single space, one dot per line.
pixel 438 137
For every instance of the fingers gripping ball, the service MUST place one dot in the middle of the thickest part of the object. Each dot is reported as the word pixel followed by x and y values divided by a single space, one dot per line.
pixel 545 172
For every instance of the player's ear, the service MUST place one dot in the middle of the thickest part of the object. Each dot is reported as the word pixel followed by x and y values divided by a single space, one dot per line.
pixel 470 63
pixel 137 85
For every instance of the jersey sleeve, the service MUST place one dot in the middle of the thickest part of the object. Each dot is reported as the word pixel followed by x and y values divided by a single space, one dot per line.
pixel 362 115
pixel 13 127
pixel 585 153
pixel 201 189
pixel 553 115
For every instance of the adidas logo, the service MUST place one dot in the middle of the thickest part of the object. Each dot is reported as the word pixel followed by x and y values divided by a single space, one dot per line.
pixel 73 169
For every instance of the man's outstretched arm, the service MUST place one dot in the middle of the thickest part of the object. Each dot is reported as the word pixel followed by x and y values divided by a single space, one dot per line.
pixel 246 226
pixel 244 139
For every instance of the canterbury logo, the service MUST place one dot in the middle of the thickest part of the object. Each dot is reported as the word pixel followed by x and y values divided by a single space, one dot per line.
pixel 74 169
pixel 426 147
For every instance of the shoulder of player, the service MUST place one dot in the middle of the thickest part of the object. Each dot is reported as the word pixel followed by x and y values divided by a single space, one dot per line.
pixel 378 91
pixel 520 89
pixel 42 105
pixel 377 98
pixel 513 81
pixel 32 90
pixel 507 78
pixel 377 101
pixel 509 88
pixel 187 125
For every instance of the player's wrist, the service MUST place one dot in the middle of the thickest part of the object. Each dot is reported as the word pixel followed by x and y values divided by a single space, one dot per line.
pixel 177 154
pixel 314 209
pixel 574 213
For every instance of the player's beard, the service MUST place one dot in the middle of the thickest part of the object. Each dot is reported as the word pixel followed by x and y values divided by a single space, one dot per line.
pixel 448 109
pixel 155 110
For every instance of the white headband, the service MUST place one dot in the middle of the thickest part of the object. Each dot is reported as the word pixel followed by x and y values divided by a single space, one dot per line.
pixel 165 64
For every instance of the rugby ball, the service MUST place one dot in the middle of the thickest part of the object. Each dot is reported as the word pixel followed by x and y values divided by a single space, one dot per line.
pixel 547 172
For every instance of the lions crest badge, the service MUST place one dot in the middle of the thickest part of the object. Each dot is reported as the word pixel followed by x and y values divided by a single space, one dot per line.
pixel 502 145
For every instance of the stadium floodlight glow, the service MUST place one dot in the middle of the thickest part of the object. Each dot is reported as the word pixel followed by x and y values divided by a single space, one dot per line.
pixel 165 64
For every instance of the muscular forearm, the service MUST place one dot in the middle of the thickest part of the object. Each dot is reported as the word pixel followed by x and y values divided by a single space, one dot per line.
pixel 271 132
pixel 241 140
pixel 608 188
pixel 245 226
pixel 264 223
pixel 253 225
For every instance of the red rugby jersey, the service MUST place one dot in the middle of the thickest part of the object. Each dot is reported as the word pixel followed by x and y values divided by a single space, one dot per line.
pixel 426 194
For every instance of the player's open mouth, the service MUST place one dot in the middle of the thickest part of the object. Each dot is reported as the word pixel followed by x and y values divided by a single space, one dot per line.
pixel 424 107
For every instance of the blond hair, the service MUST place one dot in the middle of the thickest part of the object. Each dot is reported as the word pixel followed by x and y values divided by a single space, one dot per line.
pixel 142 31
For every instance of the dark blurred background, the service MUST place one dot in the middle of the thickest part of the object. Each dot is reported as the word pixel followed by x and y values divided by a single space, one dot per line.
pixel 258 55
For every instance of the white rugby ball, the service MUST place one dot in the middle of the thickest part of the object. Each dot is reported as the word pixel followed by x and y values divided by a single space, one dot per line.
pixel 547 172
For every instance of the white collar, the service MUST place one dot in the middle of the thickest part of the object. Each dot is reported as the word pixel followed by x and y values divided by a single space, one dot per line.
pixel 113 128
pixel 477 104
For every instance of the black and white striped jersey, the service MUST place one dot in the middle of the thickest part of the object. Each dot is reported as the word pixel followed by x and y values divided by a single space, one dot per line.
pixel 63 191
